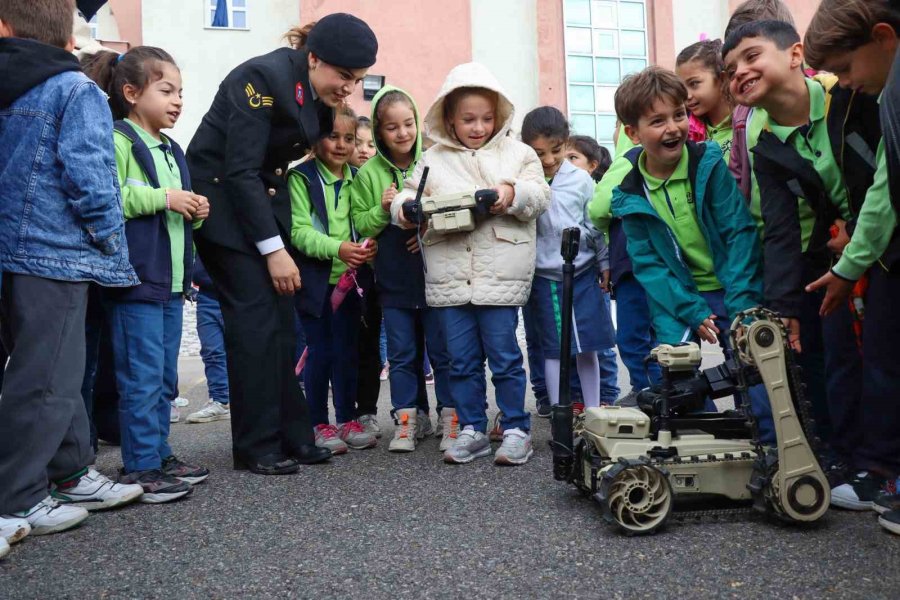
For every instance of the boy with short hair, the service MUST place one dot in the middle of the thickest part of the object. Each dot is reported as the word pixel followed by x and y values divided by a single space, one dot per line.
pixel 857 40
pixel 61 226
pixel 810 142
pixel 679 191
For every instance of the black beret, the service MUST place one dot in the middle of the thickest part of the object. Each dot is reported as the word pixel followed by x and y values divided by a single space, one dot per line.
pixel 343 41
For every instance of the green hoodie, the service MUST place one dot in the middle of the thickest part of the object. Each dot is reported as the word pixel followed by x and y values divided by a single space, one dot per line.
pixel 378 174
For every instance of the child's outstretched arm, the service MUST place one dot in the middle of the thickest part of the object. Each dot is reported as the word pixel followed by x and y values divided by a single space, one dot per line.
pixel 659 282
pixel 88 160
pixel 532 194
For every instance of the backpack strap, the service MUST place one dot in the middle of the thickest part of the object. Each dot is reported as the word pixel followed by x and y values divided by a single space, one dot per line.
pixel 141 152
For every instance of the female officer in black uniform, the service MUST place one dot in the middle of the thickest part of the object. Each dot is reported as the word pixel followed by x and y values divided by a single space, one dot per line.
pixel 266 114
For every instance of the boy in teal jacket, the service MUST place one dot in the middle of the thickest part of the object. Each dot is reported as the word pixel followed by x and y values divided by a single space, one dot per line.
pixel 690 237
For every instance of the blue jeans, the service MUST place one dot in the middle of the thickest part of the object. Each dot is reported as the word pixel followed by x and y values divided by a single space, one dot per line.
pixel 634 332
pixel 382 345
pixel 333 356
pixel 404 328
pixel 145 339
pixel 474 332
pixel 759 399
pixel 536 359
pixel 609 369
pixel 211 331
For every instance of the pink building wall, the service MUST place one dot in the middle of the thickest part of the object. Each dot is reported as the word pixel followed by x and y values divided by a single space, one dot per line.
pixel 418 45
pixel 128 18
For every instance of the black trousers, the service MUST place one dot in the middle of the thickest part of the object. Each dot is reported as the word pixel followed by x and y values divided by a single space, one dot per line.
pixel 268 411
pixel 369 363
pixel 44 430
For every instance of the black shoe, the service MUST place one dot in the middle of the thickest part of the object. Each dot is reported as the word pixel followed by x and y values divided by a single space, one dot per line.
pixel 544 410
pixel 629 400
pixel 158 487
pixel 887 503
pixel 890 521
pixel 310 454
pixel 859 493
pixel 272 464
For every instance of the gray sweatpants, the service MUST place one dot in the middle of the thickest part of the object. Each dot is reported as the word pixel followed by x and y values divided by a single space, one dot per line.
pixel 44 431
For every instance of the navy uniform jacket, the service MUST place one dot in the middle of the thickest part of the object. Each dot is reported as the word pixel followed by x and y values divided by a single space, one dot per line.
pixel 262 118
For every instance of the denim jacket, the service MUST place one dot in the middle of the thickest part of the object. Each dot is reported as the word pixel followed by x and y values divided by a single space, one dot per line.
pixel 60 206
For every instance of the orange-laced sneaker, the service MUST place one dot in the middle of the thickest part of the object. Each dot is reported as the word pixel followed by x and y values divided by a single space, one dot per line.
pixel 405 434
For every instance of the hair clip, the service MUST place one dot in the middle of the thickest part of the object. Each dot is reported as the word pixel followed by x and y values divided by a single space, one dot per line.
pixel 121 56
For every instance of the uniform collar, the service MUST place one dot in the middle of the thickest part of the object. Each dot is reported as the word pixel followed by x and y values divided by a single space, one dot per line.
pixel 654 183
pixel 148 139
pixel 328 177
pixel 312 111
pixel 816 111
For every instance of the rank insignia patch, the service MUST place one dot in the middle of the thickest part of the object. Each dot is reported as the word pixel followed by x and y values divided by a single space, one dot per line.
pixel 299 93
pixel 255 99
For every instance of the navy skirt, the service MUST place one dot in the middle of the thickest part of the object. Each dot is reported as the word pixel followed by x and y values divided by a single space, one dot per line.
pixel 592 327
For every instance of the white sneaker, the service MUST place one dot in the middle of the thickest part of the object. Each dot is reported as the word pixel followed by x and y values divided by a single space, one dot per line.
pixel 95 491
pixel 213 411
pixel 4 548
pixel 449 423
pixel 180 402
pixel 468 446
pixel 406 431
pixel 516 448
pixel 13 529
pixel 175 415
pixel 370 424
pixel 49 516
pixel 424 428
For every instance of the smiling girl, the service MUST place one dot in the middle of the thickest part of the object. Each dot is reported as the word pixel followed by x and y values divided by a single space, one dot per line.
pixel 479 279
pixel 144 88
pixel 701 69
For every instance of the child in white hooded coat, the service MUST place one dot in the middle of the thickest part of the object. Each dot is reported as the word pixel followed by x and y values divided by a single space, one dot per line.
pixel 479 279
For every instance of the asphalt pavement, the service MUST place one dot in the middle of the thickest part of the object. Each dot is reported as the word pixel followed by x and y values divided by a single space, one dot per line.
pixel 375 525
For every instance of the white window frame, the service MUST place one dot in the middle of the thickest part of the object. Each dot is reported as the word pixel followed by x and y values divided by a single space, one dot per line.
pixel 595 54
pixel 93 24
pixel 209 7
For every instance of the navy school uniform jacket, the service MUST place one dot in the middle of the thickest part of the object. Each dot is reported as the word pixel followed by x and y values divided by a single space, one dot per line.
pixel 148 236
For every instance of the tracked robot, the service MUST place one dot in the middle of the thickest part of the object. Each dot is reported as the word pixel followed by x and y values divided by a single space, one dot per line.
pixel 636 462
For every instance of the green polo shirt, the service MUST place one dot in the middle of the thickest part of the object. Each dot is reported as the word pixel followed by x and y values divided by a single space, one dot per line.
pixel 307 235
pixel 813 144
pixel 875 224
pixel 673 200
pixel 722 134
pixel 140 199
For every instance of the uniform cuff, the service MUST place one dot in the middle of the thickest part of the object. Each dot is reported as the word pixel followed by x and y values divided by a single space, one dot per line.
pixel 270 245
pixel 847 269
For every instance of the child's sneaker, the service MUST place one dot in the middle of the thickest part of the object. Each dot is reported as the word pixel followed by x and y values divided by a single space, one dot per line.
pixel 180 402
pixel 370 424
pixel 429 378
pixel 355 436
pixel 95 491
pixel 859 493
pixel 49 516
pixel 544 408
pixel 327 437
pixel 405 432
pixel 13 529
pixel 496 434
pixel 158 487
pixel 449 428
pixel 182 471
pixel 213 411
pixel 577 408
pixel 385 372
pixel 439 424
pixel 175 414
pixel 469 445
pixel 424 428
pixel 886 503
pixel 516 448
pixel 890 521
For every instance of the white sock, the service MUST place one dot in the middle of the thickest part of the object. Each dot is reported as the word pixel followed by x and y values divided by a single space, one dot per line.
pixel 589 373
pixel 551 378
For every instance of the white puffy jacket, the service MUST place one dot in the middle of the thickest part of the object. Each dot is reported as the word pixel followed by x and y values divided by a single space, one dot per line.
pixel 494 264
